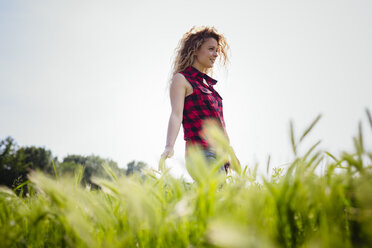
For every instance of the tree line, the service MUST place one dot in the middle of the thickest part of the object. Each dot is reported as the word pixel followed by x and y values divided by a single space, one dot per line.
pixel 16 162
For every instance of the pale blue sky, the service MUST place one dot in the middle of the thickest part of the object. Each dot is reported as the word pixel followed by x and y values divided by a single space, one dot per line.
pixel 83 77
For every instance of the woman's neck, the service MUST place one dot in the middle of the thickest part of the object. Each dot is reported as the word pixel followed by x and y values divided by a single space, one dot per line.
pixel 199 67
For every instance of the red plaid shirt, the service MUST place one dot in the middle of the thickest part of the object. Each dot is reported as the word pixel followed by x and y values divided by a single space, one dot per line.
pixel 203 103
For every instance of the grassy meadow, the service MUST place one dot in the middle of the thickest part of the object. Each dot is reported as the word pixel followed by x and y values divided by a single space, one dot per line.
pixel 293 207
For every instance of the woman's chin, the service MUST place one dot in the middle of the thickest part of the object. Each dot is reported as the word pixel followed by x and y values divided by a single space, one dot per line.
pixel 209 65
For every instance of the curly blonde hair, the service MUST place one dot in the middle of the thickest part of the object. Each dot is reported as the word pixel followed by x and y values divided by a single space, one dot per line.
pixel 192 41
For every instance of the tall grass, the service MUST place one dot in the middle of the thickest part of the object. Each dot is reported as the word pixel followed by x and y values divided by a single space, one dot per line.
pixel 293 208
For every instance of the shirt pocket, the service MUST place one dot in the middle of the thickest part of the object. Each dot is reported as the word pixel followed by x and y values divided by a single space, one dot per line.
pixel 209 92
pixel 205 90
pixel 209 98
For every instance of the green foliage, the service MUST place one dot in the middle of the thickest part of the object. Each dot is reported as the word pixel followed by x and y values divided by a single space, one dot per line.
pixel 17 162
pixel 11 167
pixel 135 167
pixel 295 207
pixel 93 167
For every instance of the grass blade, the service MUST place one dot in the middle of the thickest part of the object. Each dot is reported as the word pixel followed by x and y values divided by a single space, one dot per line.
pixel 292 138
pixel 55 170
pixel 369 117
pixel 268 164
pixel 310 127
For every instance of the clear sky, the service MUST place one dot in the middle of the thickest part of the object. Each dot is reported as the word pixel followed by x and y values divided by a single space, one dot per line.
pixel 89 77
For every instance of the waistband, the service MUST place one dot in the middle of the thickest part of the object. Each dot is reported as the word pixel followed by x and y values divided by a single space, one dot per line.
pixel 189 142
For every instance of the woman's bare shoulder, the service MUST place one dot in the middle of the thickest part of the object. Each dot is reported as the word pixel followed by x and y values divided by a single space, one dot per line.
pixel 179 77
pixel 179 81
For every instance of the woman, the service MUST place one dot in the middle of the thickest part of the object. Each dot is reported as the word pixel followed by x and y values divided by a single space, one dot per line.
pixel 192 95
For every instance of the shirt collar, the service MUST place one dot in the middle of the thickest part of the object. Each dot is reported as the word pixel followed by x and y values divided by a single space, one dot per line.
pixel 196 73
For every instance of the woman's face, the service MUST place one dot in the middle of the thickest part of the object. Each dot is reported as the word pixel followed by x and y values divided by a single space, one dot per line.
pixel 207 53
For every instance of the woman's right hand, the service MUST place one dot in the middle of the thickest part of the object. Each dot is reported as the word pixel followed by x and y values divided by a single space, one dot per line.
pixel 168 152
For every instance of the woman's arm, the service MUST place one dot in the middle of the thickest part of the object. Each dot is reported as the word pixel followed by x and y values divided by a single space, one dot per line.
pixel 177 98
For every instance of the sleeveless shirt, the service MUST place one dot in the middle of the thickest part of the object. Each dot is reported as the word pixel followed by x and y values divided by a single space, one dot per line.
pixel 202 104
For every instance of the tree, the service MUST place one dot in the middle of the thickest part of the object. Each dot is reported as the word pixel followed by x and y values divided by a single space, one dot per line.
pixel 37 158
pixel 135 167
pixel 16 163
pixel 93 166
pixel 77 159
pixel 10 166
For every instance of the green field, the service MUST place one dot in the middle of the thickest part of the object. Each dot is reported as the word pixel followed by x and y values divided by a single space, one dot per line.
pixel 293 207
